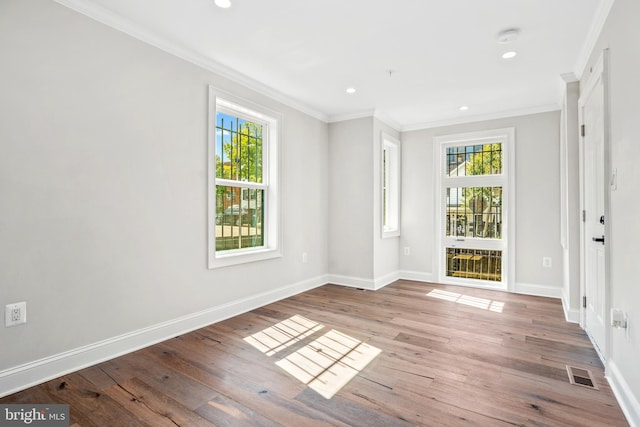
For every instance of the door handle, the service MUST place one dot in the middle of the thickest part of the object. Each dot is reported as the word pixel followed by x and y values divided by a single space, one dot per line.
pixel 598 239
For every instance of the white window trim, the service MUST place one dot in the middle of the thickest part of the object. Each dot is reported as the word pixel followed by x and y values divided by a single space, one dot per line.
pixel 271 208
pixel 391 146
pixel 507 136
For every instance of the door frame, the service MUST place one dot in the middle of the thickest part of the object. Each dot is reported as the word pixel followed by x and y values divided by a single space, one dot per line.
pixel 599 71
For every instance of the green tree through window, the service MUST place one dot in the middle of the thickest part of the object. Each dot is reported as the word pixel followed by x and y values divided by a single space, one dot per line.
pixel 484 203
pixel 239 149
pixel 239 179
pixel 485 161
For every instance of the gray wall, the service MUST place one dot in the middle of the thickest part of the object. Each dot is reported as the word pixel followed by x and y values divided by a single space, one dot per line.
pixel 537 199
pixel 358 255
pixel 103 185
pixel 386 257
pixel 350 199
pixel 621 34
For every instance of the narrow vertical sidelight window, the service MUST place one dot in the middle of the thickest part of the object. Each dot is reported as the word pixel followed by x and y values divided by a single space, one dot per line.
pixel 390 196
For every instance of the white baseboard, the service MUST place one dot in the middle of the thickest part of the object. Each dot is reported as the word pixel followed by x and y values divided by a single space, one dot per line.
pixel 417 276
pixel 356 282
pixel 383 281
pixel 570 314
pixel 352 282
pixel 520 288
pixel 24 376
pixel 627 400
pixel 360 283
pixel 538 290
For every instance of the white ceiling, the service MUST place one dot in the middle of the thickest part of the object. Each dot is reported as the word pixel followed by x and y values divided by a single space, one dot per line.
pixel 443 53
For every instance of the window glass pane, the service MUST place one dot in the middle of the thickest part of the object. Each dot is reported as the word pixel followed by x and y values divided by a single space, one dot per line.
pixel 473 160
pixel 239 218
pixel 482 264
pixel 390 194
pixel 238 149
pixel 474 212
pixel 385 187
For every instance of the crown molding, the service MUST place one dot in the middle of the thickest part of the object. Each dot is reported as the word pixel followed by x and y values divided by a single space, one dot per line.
pixel 383 117
pixel 482 117
pixel 119 23
pixel 592 36
pixel 351 116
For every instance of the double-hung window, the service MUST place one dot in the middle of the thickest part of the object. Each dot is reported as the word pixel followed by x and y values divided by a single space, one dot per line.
pixel 243 205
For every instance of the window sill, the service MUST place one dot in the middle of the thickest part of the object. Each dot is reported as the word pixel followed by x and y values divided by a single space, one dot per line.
pixel 242 257
pixel 390 232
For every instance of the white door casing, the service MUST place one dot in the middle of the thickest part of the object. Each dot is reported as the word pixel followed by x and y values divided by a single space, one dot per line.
pixel 594 183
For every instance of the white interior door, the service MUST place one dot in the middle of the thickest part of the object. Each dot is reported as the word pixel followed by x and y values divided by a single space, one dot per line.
pixel 594 186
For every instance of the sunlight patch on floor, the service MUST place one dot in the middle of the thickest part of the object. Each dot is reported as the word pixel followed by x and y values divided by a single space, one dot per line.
pixel 483 303
pixel 329 362
pixel 282 335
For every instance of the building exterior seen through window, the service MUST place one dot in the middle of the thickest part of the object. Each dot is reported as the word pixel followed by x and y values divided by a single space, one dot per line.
pixel 474 211
pixel 240 185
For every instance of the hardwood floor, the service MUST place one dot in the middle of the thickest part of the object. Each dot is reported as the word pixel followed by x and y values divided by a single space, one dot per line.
pixel 449 356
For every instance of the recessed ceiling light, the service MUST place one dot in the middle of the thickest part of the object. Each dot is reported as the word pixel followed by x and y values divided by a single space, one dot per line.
pixel 351 90
pixel 223 3
pixel 463 108
pixel 509 55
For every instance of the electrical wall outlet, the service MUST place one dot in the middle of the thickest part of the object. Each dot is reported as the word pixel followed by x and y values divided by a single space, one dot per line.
pixel 305 257
pixel 15 314
pixel 546 262
pixel 407 250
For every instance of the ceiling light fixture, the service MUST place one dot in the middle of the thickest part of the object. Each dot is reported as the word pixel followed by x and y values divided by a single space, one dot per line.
pixel 351 90
pixel 509 55
pixel 224 4
pixel 463 108
pixel 508 35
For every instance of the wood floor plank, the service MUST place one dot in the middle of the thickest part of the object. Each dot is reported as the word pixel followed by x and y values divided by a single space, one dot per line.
pixel 88 405
pixel 350 412
pixel 449 356
pixel 269 392
pixel 227 412
pixel 152 406
pixel 181 388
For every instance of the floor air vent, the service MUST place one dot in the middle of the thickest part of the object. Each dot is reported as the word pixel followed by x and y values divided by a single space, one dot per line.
pixel 581 377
